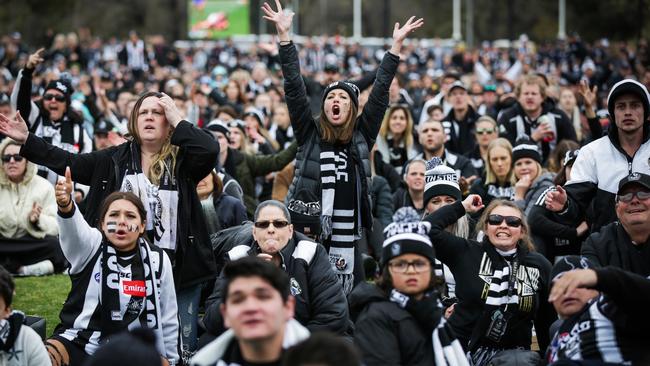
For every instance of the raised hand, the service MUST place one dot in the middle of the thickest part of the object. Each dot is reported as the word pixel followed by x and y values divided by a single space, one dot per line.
pixel 400 33
pixel 35 59
pixel 15 128
pixel 63 192
pixel 172 113
pixel 555 200
pixel 473 203
pixel 281 19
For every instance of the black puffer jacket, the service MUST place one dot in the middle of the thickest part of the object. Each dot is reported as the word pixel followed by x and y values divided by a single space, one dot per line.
pixel 320 303
pixel 104 170
pixel 307 174
pixel 612 246
pixel 385 333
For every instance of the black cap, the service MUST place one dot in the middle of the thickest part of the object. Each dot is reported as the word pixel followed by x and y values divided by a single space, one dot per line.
pixel 634 178
pixel 457 84
pixel 331 68
pixel 629 86
pixel 569 263
pixel 349 88
pixel 570 157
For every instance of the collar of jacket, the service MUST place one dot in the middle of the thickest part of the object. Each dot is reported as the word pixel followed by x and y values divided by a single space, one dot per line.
pixel 612 134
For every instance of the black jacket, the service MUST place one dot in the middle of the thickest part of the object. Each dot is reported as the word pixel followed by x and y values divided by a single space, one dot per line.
pixel 552 239
pixel 472 268
pixel 612 246
pixel 320 302
pixel 514 122
pixel 104 170
pixel 306 129
pixel 385 333
pixel 460 133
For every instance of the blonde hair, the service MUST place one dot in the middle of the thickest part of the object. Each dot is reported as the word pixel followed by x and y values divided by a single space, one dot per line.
pixel 525 240
pixel 167 151
pixel 488 119
pixel 531 79
pixel 490 176
pixel 407 136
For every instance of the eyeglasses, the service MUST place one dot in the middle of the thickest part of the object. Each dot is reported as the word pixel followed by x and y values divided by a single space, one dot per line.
pixel 278 224
pixel 512 221
pixel 484 131
pixel 7 158
pixel 628 197
pixel 57 97
pixel 400 266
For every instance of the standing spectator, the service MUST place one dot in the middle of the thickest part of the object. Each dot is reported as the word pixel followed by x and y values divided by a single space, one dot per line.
pixel 485 132
pixel 459 122
pixel 258 309
pixel 332 143
pixel 28 231
pixel 395 140
pixel 413 194
pixel 499 179
pixel 162 163
pixel 543 123
pixel 603 163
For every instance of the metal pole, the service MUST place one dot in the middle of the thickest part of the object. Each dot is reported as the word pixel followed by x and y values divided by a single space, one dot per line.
pixel 357 20
pixel 456 35
pixel 561 28
pixel 296 18
pixel 469 23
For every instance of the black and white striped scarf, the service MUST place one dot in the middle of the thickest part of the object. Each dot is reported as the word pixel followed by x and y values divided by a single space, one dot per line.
pixel 338 204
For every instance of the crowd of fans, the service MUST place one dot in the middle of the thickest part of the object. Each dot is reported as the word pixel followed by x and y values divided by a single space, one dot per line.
pixel 409 204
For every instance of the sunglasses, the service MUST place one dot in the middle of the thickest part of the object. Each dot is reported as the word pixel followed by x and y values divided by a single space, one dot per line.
pixel 512 221
pixel 278 224
pixel 483 131
pixel 57 97
pixel 628 197
pixel 7 158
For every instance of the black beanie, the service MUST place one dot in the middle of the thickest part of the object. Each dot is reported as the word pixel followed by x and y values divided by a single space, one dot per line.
pixel 407 234
pixel 569 263
pixel 351 89
pixel 63 86
pixel 135 347
pixel 525 148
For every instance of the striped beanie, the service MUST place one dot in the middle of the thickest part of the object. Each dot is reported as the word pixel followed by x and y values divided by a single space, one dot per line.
pixel 440 180
pixel 406 234
pixel 525 148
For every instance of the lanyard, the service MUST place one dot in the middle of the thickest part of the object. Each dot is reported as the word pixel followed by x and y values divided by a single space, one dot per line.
pixel 512 279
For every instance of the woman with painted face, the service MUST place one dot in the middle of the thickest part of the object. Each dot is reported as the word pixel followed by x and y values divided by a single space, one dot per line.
pixel 501 282
pixel 499 180
pixel 395 141
pixel 119 279
pixel 161 163
pixel 551 238
pixel 532 179
pixel 399 318
pixel 333 161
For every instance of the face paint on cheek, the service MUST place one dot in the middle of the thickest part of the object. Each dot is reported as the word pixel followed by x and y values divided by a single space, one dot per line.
pixel 111 227
pixel 132 228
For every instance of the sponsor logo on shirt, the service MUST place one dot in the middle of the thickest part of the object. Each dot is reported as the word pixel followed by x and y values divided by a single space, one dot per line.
pixel 134 288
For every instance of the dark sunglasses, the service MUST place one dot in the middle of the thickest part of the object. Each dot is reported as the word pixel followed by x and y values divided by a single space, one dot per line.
pixel 278 224
pixel 7 158
pixel 628 197
pixel 483 131
pixel 57 97
pixel 512 221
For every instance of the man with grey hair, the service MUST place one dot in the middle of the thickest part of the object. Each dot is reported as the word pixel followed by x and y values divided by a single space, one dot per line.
pixel 320 302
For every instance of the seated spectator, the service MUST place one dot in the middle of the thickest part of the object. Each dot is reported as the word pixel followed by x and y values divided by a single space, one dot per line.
pixel 602 323
pixel 400 315
pixel 28 231
pixel 532 179
pixel 395 139
pixel 412 195
pixel 501 282
pixel 323 349
pixel 220 210
pixel 320 303
pixel 20 345
pixel 554 239
pixel 114 263
pixel 624 244
pixel 499 179
pixel 258 308
pixel 135 347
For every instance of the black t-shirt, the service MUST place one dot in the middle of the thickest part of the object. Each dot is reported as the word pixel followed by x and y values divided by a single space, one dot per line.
pixel 640 259
pixel 233 356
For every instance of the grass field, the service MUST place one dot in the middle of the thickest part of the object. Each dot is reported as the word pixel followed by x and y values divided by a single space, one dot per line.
pixel 42 296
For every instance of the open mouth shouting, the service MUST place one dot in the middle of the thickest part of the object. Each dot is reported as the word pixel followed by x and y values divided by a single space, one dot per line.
pixel 336 111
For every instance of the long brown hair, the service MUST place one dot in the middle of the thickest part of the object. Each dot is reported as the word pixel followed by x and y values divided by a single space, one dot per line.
pixel 525 240
pixel 490 176
pixel 338 134
pixel 158 165
pixel 407 136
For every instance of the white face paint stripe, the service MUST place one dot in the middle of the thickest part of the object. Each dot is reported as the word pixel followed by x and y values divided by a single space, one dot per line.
pixel 111 226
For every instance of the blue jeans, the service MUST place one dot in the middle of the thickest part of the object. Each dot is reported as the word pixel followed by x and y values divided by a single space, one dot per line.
pixel 188 314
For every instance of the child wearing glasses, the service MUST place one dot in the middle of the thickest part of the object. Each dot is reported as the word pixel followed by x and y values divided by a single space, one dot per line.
pixel 28 231
pixel 399 318
pixel 501 282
